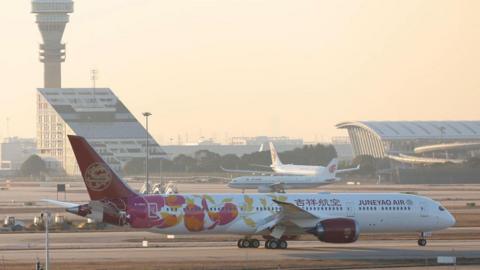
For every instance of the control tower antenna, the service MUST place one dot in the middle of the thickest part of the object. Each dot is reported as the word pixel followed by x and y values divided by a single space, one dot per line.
pixel 94 78
pixel 52 17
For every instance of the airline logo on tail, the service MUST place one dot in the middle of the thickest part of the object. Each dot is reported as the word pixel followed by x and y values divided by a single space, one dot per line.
pixel 332 168
pixel 97 177
pixel 329 172
pixel 102 183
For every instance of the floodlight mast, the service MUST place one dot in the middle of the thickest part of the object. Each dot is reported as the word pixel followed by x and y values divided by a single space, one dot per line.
pixel 147 139
pixel 52 17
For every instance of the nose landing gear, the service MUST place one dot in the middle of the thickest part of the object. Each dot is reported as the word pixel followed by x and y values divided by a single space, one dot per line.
pixel 422 241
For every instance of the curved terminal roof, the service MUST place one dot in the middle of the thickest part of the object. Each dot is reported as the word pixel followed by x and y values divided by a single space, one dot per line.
pixel 423 160
pixel 447 146
pixel 401 130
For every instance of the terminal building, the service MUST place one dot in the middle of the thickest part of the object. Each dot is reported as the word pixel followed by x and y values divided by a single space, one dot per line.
pixel 420 142
pixel 14 151
pixel 96 114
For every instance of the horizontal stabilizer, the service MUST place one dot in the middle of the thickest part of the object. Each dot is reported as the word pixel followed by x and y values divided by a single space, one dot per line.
pixel 349 169
pixel 62 204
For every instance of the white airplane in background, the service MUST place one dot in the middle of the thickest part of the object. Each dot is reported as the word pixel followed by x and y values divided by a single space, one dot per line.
pixel 279 183
pixel 288 169
pixel 292 169
pixel 331 217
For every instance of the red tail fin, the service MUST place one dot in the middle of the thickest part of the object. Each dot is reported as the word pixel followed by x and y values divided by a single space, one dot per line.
pixel 100 179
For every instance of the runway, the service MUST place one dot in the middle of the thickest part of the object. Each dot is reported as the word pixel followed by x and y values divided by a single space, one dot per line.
pixel 121 246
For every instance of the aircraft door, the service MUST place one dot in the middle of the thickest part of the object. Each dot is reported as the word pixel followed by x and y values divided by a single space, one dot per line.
pixel 424 209
pixel 152 210
pixel 350 209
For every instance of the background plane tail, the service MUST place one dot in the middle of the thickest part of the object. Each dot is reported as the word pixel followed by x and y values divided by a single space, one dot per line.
pixel 330 171
pixel 273 152
pixel 101 181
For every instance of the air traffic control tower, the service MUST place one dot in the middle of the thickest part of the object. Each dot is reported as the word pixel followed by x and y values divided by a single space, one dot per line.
pixel 52 16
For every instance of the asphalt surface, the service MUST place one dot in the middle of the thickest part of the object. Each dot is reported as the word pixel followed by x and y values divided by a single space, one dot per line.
pixel 118 246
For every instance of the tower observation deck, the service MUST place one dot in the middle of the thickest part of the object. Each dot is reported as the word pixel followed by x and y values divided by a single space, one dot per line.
pixel 51 17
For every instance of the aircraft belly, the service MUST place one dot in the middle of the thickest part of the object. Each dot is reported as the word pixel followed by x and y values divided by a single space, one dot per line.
pixel 391 223
pixel 238 227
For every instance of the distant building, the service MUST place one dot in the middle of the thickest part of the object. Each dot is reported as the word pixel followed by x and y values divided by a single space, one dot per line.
pixel 221 149
pixel 96 114
pixel 421 142
pixel 14 151
pixel 259 140
pixel 343 147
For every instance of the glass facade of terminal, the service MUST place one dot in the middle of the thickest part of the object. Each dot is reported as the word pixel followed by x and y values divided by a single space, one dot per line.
pixel 96 114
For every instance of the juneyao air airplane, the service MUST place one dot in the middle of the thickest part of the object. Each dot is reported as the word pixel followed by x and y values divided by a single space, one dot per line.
pixel 331 217
pixel 279 183
pixel 289 169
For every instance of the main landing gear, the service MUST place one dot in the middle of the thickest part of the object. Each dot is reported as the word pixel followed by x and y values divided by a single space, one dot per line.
pixel 248 243
pixel 276 244
pixel 269 244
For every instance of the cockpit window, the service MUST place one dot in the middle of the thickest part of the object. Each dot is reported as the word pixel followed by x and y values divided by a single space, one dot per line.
pixel 441 208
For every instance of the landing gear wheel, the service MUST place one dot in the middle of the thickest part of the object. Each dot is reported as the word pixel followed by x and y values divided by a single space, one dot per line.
pixel 245 243
pixel 282 244
pixel 267 244
pixel 422 242
pixel 239 243
pixel 254 243
pixel 272 244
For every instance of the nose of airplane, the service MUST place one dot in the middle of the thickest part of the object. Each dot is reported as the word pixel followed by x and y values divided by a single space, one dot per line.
pixel 449 220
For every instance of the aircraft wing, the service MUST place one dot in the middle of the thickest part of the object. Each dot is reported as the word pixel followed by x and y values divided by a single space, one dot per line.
pixel 291 211
pixel 260 165
pixel 62 204
pixel 290 218
pixel 349 169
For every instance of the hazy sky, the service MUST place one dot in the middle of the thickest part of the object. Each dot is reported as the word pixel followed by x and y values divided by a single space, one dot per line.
pixel 252 67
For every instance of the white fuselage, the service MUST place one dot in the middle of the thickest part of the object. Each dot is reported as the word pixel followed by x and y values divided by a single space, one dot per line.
pixel 287 181
pixel 297 169
pixel 244 213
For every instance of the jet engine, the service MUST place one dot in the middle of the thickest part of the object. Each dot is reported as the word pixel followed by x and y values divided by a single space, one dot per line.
pixel 337 230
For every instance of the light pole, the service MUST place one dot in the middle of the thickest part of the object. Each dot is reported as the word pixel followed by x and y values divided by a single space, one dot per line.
pixel 146 114
pixel 46 219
